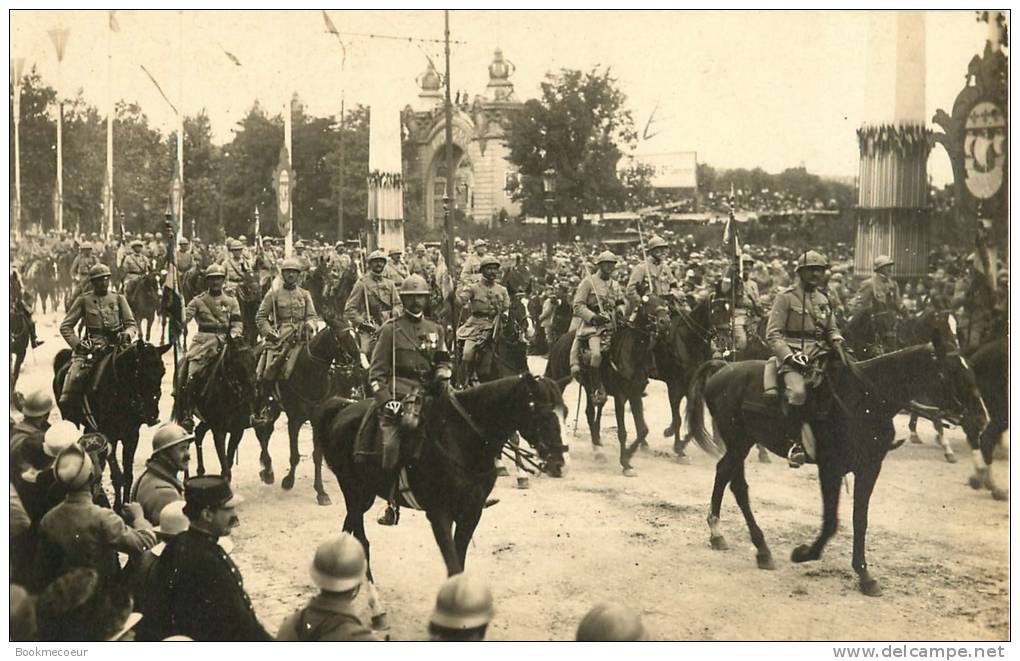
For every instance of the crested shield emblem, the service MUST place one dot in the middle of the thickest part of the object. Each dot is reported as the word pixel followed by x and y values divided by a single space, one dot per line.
pixel 984 149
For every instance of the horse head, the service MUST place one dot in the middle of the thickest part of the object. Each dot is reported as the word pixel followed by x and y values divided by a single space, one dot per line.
pixel 338 342
pixel 139 370
pixel 956 388
pixel 540 408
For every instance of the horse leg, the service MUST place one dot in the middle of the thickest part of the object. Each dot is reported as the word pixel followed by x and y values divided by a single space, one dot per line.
pixel 738 485
pixel 320 492
pixel 130 445
pixel 220 440
pixel 116 476
pixel 463 533
pixel 233 443
pixel 264 433
pixel 442 530
pixel 864 484
pixel 620 409
pixel 293 427
pixel 940 438
pixel 637 411
pixel 912 426
pixel 982 477
pixel 354 523
pixel 724 470
pixel 199 437
pixel 593 414
pixel 675 395
pixel 18 361
pixel 829 478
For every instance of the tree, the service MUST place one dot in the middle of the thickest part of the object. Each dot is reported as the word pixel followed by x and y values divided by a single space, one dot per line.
pixel 201 173
pixel 354 186
pixel 578 128
pixel 142 169
pixel 246 176
pixel 38 137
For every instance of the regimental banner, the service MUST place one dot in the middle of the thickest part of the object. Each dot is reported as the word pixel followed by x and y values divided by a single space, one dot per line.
pixel 283 185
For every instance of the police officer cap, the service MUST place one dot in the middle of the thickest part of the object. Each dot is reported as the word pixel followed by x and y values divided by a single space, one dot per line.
pixel 656 242
pixel 606 256
pixel 489 260
pixel 811 258
pixel 215 271
pixel 377 254
pixel 609 623
pixel 137 243
pixel 414 284
pixel 339 564
pixel 169 435
pixel 464 602
pixel 882 260
pixel 209 491
pixel 99 271
pixel 291 264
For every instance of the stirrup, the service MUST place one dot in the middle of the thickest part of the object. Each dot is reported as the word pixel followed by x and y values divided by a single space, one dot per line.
pixel 390 517
pixel 797 456
pixel 36 342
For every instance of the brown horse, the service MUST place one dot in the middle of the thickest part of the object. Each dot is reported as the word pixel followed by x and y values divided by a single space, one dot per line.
pixel 853 437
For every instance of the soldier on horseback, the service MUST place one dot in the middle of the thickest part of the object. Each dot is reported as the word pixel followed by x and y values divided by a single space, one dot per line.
pixel 487 299
pixel 595 303
pixel 18 304
pixel 748 310
pixel 409 359
pixel 653 277
pixel 396 269
pixel 81 269
pixel 879 296
pixel 135 266
pixel 373 300
pixel 217 314
pixel 108 320
pixel 800 323
pixel 470 271
pixel 186 261
pixel 235 266
pixel 285 316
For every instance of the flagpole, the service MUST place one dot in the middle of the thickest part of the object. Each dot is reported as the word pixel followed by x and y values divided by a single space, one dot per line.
pixel 16 68
pixel 180 119
pixel 287 142
pixel 109 131
pixel 59 37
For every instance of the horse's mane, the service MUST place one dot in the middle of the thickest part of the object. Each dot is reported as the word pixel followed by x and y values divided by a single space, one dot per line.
pixel 492 394
pixel 896 357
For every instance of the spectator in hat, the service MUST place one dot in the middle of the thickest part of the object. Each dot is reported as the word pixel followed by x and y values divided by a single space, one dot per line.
pixel 611 623
pixel 201 593
pixel 79 533
pixel 81 606
pixel 27 443
pixel 160 484
pixel 338 569
pixel 463 610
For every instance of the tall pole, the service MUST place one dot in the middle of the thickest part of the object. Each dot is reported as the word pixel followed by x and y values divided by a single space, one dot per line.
pixel 59 37
pixel 340 167
pixel 16 67
pixel 179 230
pixel 108 202
pixel 448 112
pixel 288 143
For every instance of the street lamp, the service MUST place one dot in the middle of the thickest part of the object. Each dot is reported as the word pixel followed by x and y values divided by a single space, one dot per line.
pixel 549 189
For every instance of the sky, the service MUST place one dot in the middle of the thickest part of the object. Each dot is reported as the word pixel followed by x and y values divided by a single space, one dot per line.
pixel 774 89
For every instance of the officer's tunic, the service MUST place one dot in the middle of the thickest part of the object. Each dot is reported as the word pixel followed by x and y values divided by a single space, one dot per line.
pixel 396 271
pixel 383 300
pixel 471 270
pixel 216 316
pixel 104 317
pixel 235 270
pixel 800 321
pixel 486 301
pixel 657 278
pixel 185 261
pixel 592 291
pixel 879 293
pixel 155 488
pixel 283 311
pixel 415 342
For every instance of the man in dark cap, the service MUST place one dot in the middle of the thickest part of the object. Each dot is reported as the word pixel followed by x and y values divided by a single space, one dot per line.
pixel 203 596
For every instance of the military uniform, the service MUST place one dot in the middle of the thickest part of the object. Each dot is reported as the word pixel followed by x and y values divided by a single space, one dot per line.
pixel 396 271
pixel 382 299
pixel 105 317
pixel 877 294
pixel 155 488
pixel 746 313
pixel 654 279
pixel 325 618
pixel 594 296
pixel 236 270
pixel 799 321
pixel 80 273
pixel 202 593
pixel 283 312
pixel 216 316
pixel 485 301
pixel 471 270
pixel 186 260
pixel 134 267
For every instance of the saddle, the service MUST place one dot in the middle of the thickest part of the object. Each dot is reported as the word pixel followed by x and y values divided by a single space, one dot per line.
pixel 368 440
pixel 817 406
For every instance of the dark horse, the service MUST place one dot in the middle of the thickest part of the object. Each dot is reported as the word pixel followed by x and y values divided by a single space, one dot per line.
pixel 145 298
pixel 453 473
pixel 990 363
pixel 870 334
pixel 249 296
pixel 624 373
pixel 321 371
pixel 224 398
pixel 124 394
pixel 41 281
pixel 20 328
pixel 853 438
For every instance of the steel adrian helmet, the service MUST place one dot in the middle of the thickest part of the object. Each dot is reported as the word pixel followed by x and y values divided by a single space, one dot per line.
pixel 464 602
pixel 489 260
pixel 172 520
pixel 183 241
pixel 37 404
pixel 396 251
pixel 880 261
pixel 656 242
pixel 169 435
pixel 339 564
pixel 137 243
pixel 234 244
pixel 99 271
pixel 215 271
pixel 60 436
pixel 607 256
pixel 291 264
pixel 480 243
pixel 811 258
pixel 377 254
pixel 73 468
pixel 609 623
pixel 414 284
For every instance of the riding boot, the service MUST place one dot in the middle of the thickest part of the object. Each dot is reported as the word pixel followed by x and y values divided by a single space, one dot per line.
pixel 33 338
pixel 599 396
pixel 265 406
pixel 392 514
pixel 797 455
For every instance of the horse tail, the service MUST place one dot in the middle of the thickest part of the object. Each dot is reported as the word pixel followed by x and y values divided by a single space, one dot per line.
pixel 696 407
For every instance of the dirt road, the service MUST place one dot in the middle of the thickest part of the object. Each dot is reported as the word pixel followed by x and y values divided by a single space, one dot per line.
pixel 939 549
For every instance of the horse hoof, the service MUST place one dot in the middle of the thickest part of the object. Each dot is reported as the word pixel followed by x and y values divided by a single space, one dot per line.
pixel 915 439
pixel 950 458
pixel 502 472
pixel 683 460
pixel 288 483
pixel 766 562
pixel 718 543
pixel 600 457
pixel 323 499
pixel 1000 494
pixel 629 472
pixel 380 622
pixel 669 431
pixel 975 482
pixel 763 458
pixel 266 475
pixel 870 588
pixel 802 554
pixel 523 483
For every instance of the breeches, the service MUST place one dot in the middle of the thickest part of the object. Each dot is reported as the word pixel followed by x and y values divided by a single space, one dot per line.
pixel 469 349
pixel 796 392
pixel 594 351
pixel 77 373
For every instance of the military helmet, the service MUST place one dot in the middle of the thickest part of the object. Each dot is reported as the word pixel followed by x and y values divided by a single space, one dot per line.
pixel 746 257
pixel 607 256
pixel 37 404
pixel 656 242
pixel 99 271
pixel 464 602
pixel 396 251
pixel 150 235
pixel 137 243
pixel 60 436
pixel 377 254
pixel 183 241
pixel 85 246
pixel 339 564
pixel 242 239
pixel 215 271
pixel 480 242
pixel 414 284
pixel 172 519
pixel 420 247
pixel 291 264
pixel 489 260
pixel 609 623
pixel 811 258
pixel 73 467
pixel 169 435
pixel 881 261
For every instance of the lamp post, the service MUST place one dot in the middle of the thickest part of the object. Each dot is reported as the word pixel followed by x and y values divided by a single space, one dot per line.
pixel 549 189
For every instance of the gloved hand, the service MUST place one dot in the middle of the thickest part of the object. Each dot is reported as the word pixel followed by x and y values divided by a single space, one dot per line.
pixel 236 332
pixel 273 336
pixel 85 345
pixel 125 337
pixel 133 512
pixel 599 320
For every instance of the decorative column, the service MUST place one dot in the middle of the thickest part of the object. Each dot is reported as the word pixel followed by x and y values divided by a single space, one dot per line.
pixel 893 217
pixel 385 181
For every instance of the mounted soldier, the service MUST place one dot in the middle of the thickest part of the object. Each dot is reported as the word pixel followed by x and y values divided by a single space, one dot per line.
pixel 471 269
pixel 419 263
pixel 396 269
pixel 486 300
pixel 80 271
pixel 134 266
pixel 18 304
pixel 557 312
pixel 108 320
pixel 595 304
pixel 748 308
pixel 800 324
pixel 879 297
pixel 217 314
pixel 286 316
pixel 409 360
pixel 373 301
pixel 235 266
pixel 654 278
pixel 186 261
pixel 974 302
